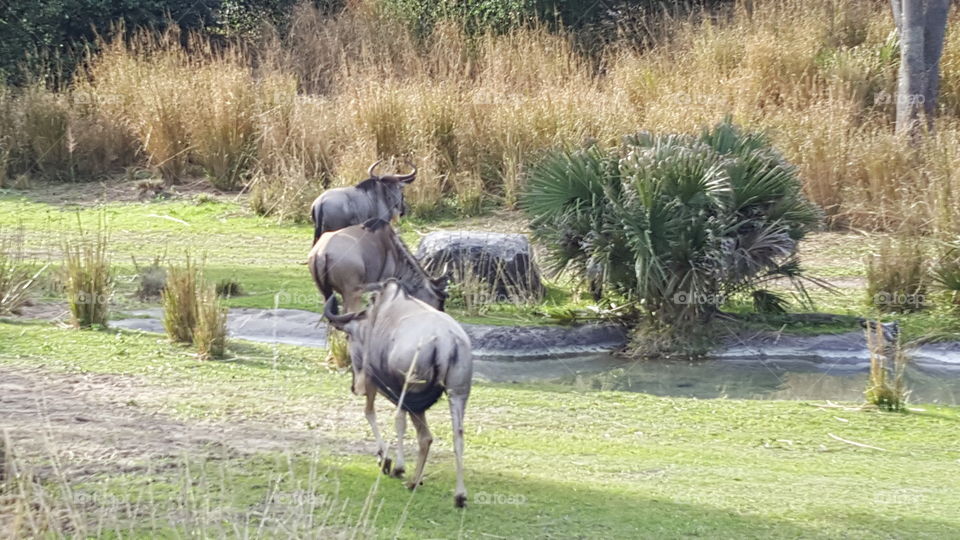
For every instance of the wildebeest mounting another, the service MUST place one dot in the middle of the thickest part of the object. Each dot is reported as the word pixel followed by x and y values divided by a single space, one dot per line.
pixel 345 260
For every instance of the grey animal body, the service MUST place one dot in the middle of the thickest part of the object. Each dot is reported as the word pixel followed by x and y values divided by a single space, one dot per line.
pixel 376 197
pixel 411 353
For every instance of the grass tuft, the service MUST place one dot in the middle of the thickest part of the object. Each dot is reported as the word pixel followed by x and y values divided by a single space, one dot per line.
pixel 17 278
pixel 888 363
pixel 210 334
pixel 338 348
pixel 897 276
pixel 89 279
pixel 179 297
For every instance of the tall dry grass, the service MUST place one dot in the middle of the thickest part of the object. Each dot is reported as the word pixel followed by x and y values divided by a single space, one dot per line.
pixel 298 113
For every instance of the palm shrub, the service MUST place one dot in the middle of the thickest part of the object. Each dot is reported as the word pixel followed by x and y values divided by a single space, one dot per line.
pixel 674 222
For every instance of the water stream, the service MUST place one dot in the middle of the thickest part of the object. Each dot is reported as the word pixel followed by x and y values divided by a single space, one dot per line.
pixel 831 367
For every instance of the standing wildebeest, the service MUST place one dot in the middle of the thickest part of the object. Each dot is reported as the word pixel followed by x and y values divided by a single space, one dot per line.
pixel 346 260
pixel 410 353
pixel 376 197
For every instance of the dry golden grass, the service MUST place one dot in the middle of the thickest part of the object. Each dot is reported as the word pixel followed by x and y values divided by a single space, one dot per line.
pixel 180 301
pixel 312 109
pixel 210 334
pixel 89 278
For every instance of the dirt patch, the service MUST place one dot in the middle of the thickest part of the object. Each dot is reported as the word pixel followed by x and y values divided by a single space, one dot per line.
pixel 121 189
pixel 47 311
pixel 92 424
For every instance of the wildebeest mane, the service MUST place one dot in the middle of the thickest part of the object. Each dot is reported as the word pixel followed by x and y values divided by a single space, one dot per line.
pixel 375 224
pixel 367 184
pixel 390 384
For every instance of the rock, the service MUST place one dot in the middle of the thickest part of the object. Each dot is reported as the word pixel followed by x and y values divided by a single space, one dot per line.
pixel 503 263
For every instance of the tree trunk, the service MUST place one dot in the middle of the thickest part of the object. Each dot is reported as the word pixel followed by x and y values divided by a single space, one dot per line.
pixel 911 86
pixel 896 5
pixel 935 28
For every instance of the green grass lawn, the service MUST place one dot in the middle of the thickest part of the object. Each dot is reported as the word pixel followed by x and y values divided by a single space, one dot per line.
pixel 267 259
pixel 542 461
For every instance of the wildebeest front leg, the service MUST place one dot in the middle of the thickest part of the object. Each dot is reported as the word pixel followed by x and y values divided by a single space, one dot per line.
pixel 371 415
pixel 458 404
pixel 425 439
pixel 401 424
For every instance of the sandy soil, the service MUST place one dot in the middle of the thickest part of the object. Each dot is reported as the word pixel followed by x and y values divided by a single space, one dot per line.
pixel 92 424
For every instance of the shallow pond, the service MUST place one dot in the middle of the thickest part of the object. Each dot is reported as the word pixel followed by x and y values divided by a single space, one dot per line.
pixel 793 367
pixel 807 378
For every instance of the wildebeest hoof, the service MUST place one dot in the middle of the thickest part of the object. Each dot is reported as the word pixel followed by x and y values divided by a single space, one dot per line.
pixel 460 501
pixel 387 462
pixel 398 472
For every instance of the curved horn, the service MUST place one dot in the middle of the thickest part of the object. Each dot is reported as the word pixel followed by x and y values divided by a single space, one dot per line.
pixel 401 178
pixel 330 313
pixel 372 167
pixel 409 176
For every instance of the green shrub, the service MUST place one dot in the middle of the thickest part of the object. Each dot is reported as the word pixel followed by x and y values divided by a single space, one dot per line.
pixel 229 288
pixel 676 223
pixel 151 278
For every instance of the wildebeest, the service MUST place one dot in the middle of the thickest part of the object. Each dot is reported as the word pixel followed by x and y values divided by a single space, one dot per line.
pixel 345 260
pixel 410 353
pixel 376 197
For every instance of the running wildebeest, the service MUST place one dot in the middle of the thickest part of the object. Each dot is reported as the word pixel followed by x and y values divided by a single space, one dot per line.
pixel 345 260
pixel 376 197
pixel 410 353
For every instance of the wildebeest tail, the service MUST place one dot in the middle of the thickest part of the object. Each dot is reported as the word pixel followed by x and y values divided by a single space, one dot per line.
pixel 316 214
pixel 318 270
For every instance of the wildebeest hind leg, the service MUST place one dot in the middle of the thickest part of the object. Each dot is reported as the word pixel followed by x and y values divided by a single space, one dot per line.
pixel 458 403
pixel 401 423
pixel 425 439
pixel 371 415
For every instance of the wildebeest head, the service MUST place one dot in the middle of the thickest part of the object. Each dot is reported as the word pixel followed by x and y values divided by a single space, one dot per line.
pixel 389 187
